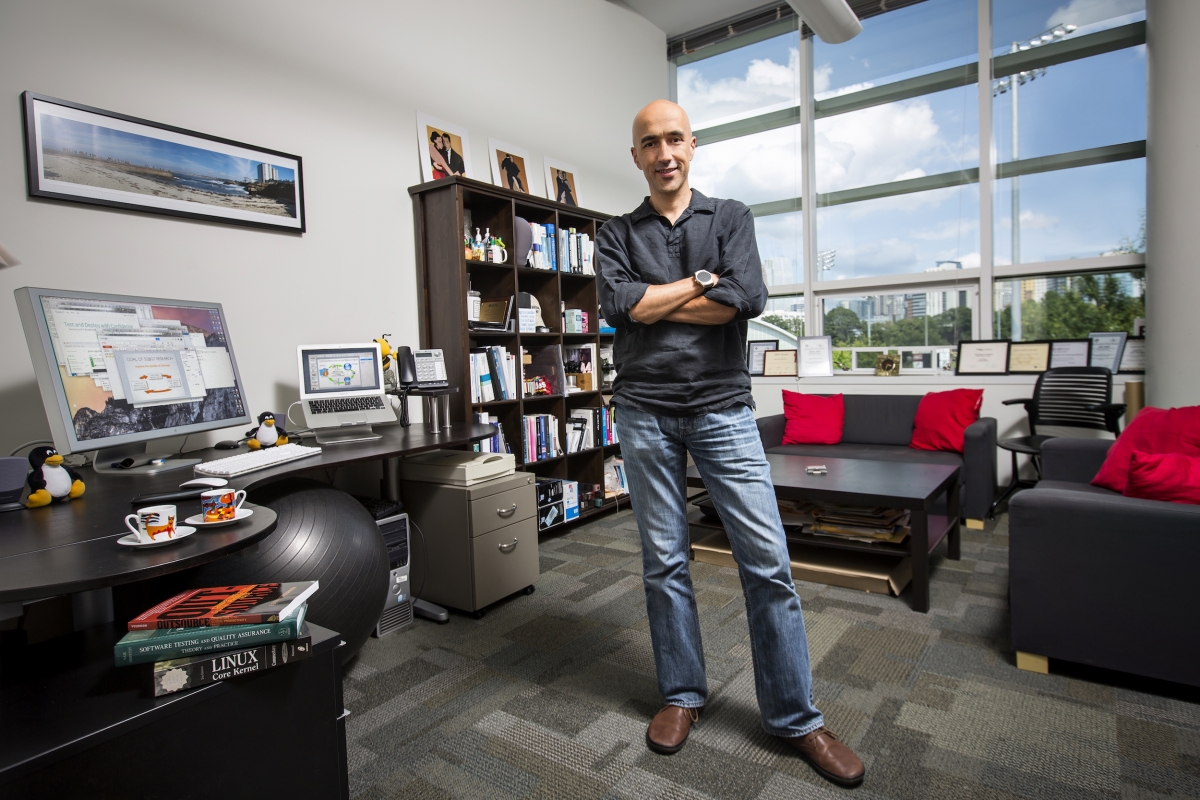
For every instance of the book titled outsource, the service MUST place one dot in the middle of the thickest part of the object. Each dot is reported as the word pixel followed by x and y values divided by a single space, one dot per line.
pixel 250 604
pixel 140 647
pixel 178 674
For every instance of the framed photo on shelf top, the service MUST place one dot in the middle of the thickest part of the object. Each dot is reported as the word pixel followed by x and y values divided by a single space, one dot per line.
pixel 754 354
pixel 1029 358
pixel 779 363
pixel 561 182
pixel 987 357
pixel 1070 353
pixel 87 155
pixel 443 149
pixel 510 165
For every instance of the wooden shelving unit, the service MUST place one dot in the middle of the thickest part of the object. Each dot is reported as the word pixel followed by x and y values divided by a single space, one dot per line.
pixel 444 273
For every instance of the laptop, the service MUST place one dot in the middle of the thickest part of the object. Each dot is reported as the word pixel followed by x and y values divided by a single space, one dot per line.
pixel 342 391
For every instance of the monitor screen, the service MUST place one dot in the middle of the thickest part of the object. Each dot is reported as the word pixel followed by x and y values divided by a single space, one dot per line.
pixel 341 370
pixel 130 366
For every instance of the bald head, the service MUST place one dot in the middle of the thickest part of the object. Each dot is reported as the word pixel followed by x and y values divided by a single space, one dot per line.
pixel 661 115
pixel 663 147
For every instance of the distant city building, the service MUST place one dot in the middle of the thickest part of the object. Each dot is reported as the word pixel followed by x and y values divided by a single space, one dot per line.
pixel 266 172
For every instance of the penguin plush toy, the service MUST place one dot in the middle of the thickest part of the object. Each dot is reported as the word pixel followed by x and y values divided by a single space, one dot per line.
pixel 50 479
pixel 267 434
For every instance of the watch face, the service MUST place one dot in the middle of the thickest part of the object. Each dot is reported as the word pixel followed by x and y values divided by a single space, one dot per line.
pixel 704 277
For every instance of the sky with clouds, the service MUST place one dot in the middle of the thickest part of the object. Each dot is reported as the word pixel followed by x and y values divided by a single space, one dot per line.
pixel 1074 213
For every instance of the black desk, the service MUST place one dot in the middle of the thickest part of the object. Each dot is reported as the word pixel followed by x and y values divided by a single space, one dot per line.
pixel 75 726
pixel 71 547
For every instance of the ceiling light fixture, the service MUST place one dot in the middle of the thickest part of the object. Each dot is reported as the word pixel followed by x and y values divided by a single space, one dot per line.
pixel 832 20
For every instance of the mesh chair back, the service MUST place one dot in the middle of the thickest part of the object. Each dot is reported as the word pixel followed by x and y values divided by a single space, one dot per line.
pixel 1062 395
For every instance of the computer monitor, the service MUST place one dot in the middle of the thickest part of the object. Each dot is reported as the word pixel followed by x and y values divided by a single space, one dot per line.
pixel 116 372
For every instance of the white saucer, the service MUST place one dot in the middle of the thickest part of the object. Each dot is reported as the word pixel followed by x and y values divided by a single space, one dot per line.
pixel 198 520
pixel 131 539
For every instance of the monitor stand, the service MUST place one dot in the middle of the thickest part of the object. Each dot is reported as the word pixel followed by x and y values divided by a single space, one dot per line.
pixel 141 462
pixel 349 433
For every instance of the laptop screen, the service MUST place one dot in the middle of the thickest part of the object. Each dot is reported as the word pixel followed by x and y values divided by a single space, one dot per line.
pixel 338 371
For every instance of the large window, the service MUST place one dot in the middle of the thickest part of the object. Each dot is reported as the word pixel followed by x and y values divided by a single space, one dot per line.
pixel 881 202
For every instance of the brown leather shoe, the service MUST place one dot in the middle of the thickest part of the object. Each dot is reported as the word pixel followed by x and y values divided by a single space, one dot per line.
pixel 669 729
pixel 829 757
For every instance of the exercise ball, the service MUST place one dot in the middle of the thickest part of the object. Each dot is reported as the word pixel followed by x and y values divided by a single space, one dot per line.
pixel 325 535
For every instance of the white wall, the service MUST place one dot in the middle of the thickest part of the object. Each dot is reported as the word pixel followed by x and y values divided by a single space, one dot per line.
pixel 1011 421
pixel 338 84
pixel 1172 175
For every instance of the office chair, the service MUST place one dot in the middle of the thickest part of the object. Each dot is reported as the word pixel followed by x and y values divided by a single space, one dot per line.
pixel 1071 397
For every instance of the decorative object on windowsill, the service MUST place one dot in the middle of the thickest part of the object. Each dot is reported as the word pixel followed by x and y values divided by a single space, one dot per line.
pixel 887 365
pixel 7 259
pixel 50 479
pixel 269 433
pixel 87 155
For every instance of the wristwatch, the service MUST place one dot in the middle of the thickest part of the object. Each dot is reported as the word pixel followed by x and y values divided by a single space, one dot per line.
pixel 705 278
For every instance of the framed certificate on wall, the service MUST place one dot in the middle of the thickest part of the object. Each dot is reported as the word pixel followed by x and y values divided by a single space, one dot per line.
pixel 988 357
pixel 1070 353
pixel 1025 358
pixel 754 354
pixel 779 363
pixel 815 357
pixel 1133 358
pixel 1106 349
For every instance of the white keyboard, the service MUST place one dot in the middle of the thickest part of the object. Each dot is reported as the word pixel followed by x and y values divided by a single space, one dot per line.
pixel 255 460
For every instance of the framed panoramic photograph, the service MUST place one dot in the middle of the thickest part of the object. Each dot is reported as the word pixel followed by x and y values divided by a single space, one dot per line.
pixel 754 354
pixel 561 184
pixel 443 149
pixel 510 165
pixel 984 357
pixel 82 154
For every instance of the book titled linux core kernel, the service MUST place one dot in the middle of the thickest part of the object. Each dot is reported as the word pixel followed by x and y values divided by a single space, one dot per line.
pixel 188 673
pixel 250 604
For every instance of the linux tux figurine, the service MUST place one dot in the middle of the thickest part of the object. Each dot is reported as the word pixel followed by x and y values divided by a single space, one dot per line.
pixel 267 434
pixel 50 480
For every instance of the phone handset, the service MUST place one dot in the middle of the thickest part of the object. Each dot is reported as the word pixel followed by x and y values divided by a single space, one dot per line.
pixel 406 371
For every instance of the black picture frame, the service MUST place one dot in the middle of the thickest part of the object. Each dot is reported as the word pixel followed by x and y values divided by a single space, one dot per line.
pixel 260 202
pixel 1141 342
pixel 958 370
pixel 763 345
pixel 1087 355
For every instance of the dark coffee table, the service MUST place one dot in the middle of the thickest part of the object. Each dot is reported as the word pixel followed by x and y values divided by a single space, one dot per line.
pixel 858 482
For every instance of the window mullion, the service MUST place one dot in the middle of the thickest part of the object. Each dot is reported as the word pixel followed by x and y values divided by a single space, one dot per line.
pixel 813 323
pixel 982 324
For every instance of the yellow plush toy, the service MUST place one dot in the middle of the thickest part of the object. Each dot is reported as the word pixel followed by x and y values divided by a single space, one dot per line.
pixel 385 348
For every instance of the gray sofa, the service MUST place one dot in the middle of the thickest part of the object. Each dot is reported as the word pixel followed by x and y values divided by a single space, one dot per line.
pixel 1098 578
pixel 880 427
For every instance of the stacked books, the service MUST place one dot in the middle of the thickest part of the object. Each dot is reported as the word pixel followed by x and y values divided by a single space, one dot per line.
pixel 862 524
pixel 202 636
pixel 541 437
pixel 497 443
pixel 493 374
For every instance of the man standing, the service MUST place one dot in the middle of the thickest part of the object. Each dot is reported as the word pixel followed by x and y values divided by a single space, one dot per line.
pixel 679 278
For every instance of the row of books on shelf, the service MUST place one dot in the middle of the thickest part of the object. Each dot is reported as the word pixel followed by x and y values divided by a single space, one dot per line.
pixel 542 439
pixel 493 374
pixel 497 443
pixel 203 636
pixel 854 523
pixel 590 427
pixel 564 250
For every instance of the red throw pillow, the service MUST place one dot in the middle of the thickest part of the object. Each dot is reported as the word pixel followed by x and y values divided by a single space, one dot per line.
pixel 812 419
pixel 1153 430
pixel 943 418
pixel 1164 476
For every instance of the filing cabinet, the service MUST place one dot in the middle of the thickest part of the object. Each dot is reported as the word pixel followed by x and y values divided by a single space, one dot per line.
pixel 480 542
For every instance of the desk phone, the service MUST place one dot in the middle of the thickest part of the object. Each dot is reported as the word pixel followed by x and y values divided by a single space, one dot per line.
pixel 422 369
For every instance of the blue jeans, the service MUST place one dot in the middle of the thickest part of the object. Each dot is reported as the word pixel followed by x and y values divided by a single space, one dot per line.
pixel 728 453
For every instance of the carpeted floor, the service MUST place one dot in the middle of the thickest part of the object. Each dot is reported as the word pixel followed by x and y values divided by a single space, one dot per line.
pixel 548 696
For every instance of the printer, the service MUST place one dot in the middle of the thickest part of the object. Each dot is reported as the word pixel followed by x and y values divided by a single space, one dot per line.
pixel 456 467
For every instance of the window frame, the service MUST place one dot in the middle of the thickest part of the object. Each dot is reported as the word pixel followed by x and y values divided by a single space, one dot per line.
pixel 982 279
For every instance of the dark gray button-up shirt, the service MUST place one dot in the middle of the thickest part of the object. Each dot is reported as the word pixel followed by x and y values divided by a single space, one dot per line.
pixel 675 368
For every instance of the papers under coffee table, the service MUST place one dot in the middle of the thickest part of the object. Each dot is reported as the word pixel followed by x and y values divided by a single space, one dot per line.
pixel 859 482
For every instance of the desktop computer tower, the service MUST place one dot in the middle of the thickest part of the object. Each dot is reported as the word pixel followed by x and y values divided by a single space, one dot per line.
pixel 398 610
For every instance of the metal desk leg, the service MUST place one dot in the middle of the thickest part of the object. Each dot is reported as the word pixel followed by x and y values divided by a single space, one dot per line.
pixel 954 513
pixel 919 542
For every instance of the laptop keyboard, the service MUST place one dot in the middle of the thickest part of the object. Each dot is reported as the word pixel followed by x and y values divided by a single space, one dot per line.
pixel 335 405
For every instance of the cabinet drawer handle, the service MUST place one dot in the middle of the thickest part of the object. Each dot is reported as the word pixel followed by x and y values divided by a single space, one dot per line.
pixel 508 548
pixel 508 513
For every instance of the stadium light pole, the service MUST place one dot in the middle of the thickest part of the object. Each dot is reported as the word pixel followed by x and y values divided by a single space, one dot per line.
pixel 1009 84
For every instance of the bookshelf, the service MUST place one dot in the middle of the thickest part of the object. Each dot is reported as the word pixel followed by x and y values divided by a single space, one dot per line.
pixel 444 275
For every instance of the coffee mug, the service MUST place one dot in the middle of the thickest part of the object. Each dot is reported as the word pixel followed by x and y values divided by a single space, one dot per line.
pixel 497 254
pixel 153 523
pixel 221 504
